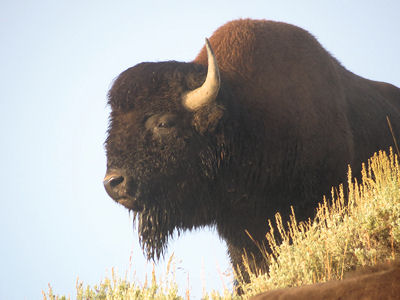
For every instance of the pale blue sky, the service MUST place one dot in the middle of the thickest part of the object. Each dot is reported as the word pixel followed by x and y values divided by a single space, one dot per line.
pixel 57 61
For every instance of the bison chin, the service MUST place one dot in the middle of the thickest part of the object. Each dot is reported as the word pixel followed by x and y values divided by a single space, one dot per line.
pixel 153 233
pixel 158 222
pixel 154 229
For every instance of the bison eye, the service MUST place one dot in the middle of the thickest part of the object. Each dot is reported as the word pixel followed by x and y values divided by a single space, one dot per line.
pixel 166 124
pixel 161 121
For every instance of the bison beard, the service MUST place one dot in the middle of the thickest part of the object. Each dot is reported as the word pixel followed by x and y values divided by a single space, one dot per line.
pixel 154 230
pixel 269 121
pixel 159 218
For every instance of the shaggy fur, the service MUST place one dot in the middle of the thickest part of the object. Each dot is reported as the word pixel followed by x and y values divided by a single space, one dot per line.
pixel 381 282
pixel 287 121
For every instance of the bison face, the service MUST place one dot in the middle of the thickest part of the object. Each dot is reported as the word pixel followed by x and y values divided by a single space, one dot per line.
pixel 161 157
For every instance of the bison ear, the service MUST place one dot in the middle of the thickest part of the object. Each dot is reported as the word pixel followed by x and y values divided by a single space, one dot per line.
pixel 206 119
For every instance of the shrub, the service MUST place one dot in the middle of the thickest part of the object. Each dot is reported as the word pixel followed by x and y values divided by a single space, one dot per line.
pixel 359 226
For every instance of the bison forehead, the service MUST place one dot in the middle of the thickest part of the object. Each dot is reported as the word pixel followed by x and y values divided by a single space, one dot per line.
pixel 147 81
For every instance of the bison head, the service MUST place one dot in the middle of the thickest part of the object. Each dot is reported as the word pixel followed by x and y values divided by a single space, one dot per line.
pixel 164 147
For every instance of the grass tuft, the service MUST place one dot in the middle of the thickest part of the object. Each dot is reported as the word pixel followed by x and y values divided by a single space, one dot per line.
pixel 117 288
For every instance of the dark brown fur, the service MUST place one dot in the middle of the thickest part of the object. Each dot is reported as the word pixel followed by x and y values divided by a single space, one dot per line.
pixel 287 121
pixel 378 283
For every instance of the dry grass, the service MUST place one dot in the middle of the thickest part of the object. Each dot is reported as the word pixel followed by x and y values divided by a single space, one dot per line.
pixel 358 226
pixel 117 288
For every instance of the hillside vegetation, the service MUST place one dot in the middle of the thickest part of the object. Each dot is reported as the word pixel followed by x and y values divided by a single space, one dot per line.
pixel 359 225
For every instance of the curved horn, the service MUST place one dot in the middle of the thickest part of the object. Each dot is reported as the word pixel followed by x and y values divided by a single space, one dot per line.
pixel 208 92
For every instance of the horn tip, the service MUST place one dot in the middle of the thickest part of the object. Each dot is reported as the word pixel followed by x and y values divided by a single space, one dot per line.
pixel 208 46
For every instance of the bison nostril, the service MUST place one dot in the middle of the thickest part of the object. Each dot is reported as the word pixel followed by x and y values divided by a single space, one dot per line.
pixel 113 185
pixel 114 181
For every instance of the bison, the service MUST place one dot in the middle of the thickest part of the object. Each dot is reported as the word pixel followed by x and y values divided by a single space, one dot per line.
pixel 263 119
pixel 379 282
